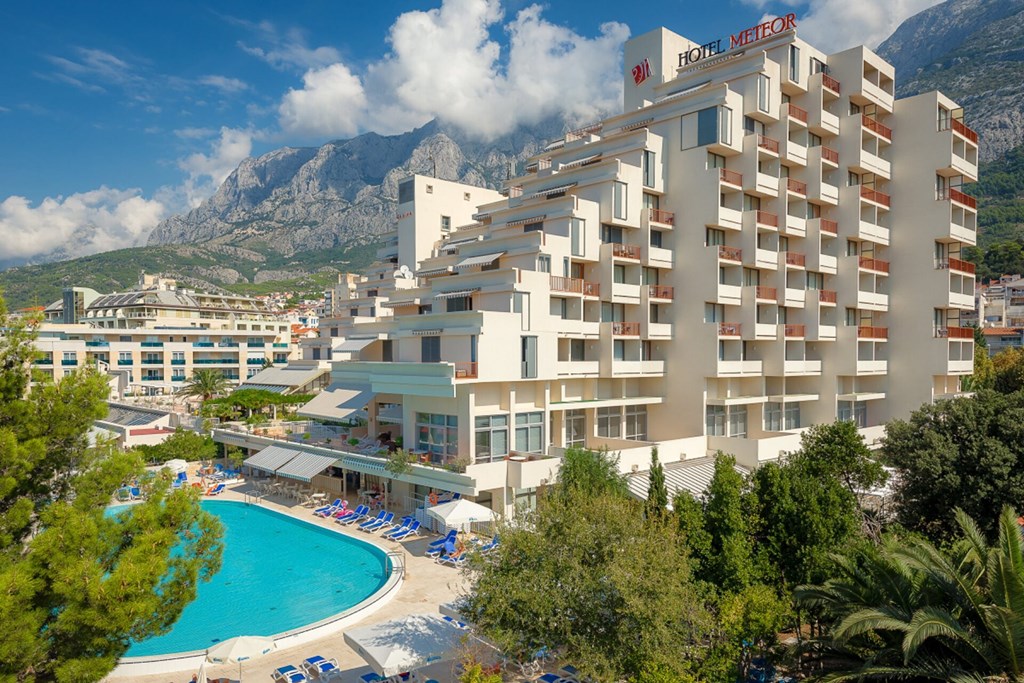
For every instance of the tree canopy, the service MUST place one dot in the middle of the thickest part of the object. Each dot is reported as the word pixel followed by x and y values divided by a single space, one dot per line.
pixel 184 444
pixel 205 384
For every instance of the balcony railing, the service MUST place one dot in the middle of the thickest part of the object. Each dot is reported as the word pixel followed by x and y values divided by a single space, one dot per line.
pixel 152 344
pixel 830 83
pixel 797 113
pixel 874 196
pixel 867 332
pixel 869 263
pixel 69 361
pixel 228 344
pixel 177 361
pixel 954 332
pixel 97 343
pixel 968 133
pixel 770 144
pixel 280 345
pixel 766 218
pixel 829 154
pixel 792 330
pixel 874 126
pixel 795 258
pixel 762 292
pixel 731 177
pixel 827 296
pixel 730 253
pixel 202 345
pixel 660 216
pixel 828 225
pixel 152 361
pixel 660 291
pixel 465 370
pixel 623 329
pixel 254 361
pixel 955 264
pixel 728 329
pixel 630 251
pixel 794 185
pixel 125 361
pixel 959 197
pixel 575 286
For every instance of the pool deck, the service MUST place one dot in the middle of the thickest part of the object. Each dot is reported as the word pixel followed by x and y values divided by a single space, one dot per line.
pixel 426 585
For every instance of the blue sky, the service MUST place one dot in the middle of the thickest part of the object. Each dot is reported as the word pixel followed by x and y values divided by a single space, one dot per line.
pixel 116 115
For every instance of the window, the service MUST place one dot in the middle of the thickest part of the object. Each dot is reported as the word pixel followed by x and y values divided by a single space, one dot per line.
pixel 813 140
pixel 611 234
pixel 753 126
pixel 406 191
pixel 70 356
pixel 530 432
pixel 619 349
pixel 650 276
pixel 649 161
pixel 544 263
pixel 465 196
pixel 813 211
pixel 853 179
pixel 577 349
pixel 815 280
pixel 124 356
pixel 636 423
pixel 651 201
pixel 725 125
pixel 792 416
pixel 437 433
pixel 763 92
pixel 852 248
pixel 714 420
pixel 430 349
pixel 430 189
pixel 619 208
pixel 856 411
pixel 715 160
pixel 577 230
pixel 459 303
pixel 521 305
pixel 656 238
pixel 751 277
pixel 491 433
pixel 529 357
pixel 751 203
pixel 563 308
pixel 446 223
pixel 818 66
pixel 646 350
pixel 738 421
pixel 619 273
pixel 387 350
pixel 575 428
pixel 794 63
pixel 714 313
pixel 534 226
pixel 423 309
pixel 851 317
pixel 609 422
pixel 714 237
pixel 773 417
pixel 707 126
pixel 854 109
pixel 944 117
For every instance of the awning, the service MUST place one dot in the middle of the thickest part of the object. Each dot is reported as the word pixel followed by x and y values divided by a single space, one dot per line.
pixel 305 466
pixel 337 402
pixel 396 303
pixel 390 414
pixel 637 124
pixel 433 271
pixel 553 190
pixel 456 294
pixel 455 244
pixel 393 647
pixel 364 465
pixel 582 162
pixel 692 475
pixel 477 261
pixel 271 458
pixel 524 221
pixel 354 345
pixel 431 332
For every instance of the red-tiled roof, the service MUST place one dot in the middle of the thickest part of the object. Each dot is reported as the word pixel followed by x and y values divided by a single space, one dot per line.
pixel 999 331
pixel 149 431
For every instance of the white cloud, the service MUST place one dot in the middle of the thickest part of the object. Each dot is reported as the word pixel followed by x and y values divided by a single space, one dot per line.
pixel 287 49
pixel 207 171
pixel 225 84
pixel 80 224
pixel 330 102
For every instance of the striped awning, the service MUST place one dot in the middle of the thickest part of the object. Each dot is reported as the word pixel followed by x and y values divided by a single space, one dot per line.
pixel 433 271
pixel 456 294
pixel 364 465
pixel 432 332
pixel 396 303
pixel 553 190
pixel 353 345
pixel 305 466
pixel 524 221
pixel 271 458
pixel 478 261
pixel 582 162
pixel 637 124
pixel 455 244
pixel 690 475
pixel 338 402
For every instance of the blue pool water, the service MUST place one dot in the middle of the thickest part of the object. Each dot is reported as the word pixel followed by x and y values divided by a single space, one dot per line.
pixel 278 574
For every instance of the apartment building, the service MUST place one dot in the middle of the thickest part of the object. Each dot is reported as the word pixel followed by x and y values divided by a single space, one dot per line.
pixel 764 239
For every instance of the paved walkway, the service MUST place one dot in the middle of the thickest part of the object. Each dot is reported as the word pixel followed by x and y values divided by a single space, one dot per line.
pixel 427 585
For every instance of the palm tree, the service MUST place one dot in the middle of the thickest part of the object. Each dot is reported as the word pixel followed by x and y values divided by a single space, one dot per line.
pixel 205 384
pixel 910 611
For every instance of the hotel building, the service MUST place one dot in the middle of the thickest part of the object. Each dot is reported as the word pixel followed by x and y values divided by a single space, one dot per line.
pixel 764 239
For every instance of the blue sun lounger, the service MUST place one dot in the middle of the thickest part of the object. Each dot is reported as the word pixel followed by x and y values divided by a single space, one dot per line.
pixel 378 522
pixel 361 512
pixel 321 667
pixel 398 535
pixel 289 674
pixel 436 546
pixel 380 516
pixel 325 510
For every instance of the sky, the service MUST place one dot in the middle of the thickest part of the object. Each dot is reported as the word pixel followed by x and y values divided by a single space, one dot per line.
pixel 117 115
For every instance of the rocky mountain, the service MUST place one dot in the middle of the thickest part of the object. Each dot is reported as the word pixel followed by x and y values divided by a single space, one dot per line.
pixel 972 50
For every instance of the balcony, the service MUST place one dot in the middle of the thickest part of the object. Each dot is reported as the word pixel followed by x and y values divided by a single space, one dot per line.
pixel 278 345
pixel 767 294
pixel 626 251
pixel 152 361
pixel 830 156
pixel 624 329
pixel 794 331
pixel 739 368
pixel 823 122
pixel 828 226
pixel 959 197
pixel 877 265
pixel 214 361
pixel 801 367
pixel 256 344
pixel 875 196
pixel 229 344
pixel 796 187
pixel 965 267
pixel 867 332
pixel 730 253
pixel 768 144
pixel 826 296
pixel 255 361
pixel 69 361
pixel 660 292
pixel 830 83
pixel 125 361
pixel 796 113
pixel 572 368
pixel 872 301
pixel 876 127
pixel 963 131
pixel 465 370
pixel 658 257
pixel 764 219
pixel 795 259
pixel 573 285
pixel 625 293
pixel 43 361
pixel 731 178
pixel 202 345
pixel 729 329
pixel 178 361
pixel 97 344
pixel 954 333
pixel 661 217
pixel 152 344
pixel 796 226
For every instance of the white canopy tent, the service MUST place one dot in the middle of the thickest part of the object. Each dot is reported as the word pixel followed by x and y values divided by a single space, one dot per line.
pixel 405 644
pixel 176 466
pixel 461 513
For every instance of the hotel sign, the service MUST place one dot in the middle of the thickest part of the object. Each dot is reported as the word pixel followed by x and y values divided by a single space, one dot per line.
pixel 741 39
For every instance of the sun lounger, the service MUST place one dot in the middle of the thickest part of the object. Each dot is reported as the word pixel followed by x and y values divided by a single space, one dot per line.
pixel 551 678
pixel 404 533
pixel 289 674
pixel 353 515
pixel 490 545
pixel 215 490
pixel 440 542
pixel 402 526
pixel 378 523
pixel 371 677
pixel 325 510
pixel 379 518
pixel 454 622
pixel 321 667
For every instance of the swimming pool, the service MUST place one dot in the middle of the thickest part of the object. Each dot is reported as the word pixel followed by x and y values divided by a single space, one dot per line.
pixel 278 573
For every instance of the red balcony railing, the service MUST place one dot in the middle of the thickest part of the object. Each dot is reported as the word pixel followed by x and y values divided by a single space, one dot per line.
pixel 797 113
pixel 630 251
pixel 830 83
pixel 728 329
pixel 762 292
pixel 961 198
pixel 829 154
pixel 869 263
pixel 660 291
pixel 874 126
pixel 660 216
pixel 575 286
pixel 765 142
pixel 867 332
pixel 731 177
pixel 829 225
pixel 962 266
pixel 954 332
pixel 765 218
pixel 968 133
pixel 794 330
pixel 826 296
pixel 730 253
pixel 622 329
pixel 874 196
pixel 464 370
pixel 794 185
pixel 795 258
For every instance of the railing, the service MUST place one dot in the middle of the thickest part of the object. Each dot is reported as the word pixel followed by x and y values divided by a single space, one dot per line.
pixel 794 185
pixel 256 344
pixel 69 361
pixel 515 191
pixel 660 291
pixel 465 370
pixel 830 83
pixel 968 133
pixel 731 177
pixel 828 225
pixel 874 196
pixel 730 253
pixel 255 361
pixel 876 127
pixel 152 361
pixel 954 332
pixel 630 251
pixel 623 329
pixel 228 344
pixel 279 345
pixel 792 330
pixel 661 216
pixel 795 258
pixel 152 344
pixel 575 286
pixel 765 142
pixel 960 198
pixel 869 263
pixel 177 361
pixel 762 292
pixel 97 343
pixel 955 264
pixel 829 154
pixel 866 332
pixel 43 361
pixel 797 113
pixel 827 296
pixel 765 218
pixel 728 329
pixel 543 164
pixel 125 361
pixel 203 345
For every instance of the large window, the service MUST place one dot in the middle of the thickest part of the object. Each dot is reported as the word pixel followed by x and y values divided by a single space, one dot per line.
pixel 530 432
pixel 738 421
pixel 636 423
pixel 715 420
pixel 611 234
pixel 430 349
pixel 792 416
pixel 491 437
pixel 649 162
pixel 577 230
pixel 575 428
pixel 459 303
pixel 437 433
pixel 609 422
pixel 619 208
pixel 529 357
pixel 794 63
pixel 855 411
pixel 764 92
pixel 773 417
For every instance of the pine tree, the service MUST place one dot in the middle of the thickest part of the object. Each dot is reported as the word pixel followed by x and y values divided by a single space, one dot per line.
pixel 657 493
